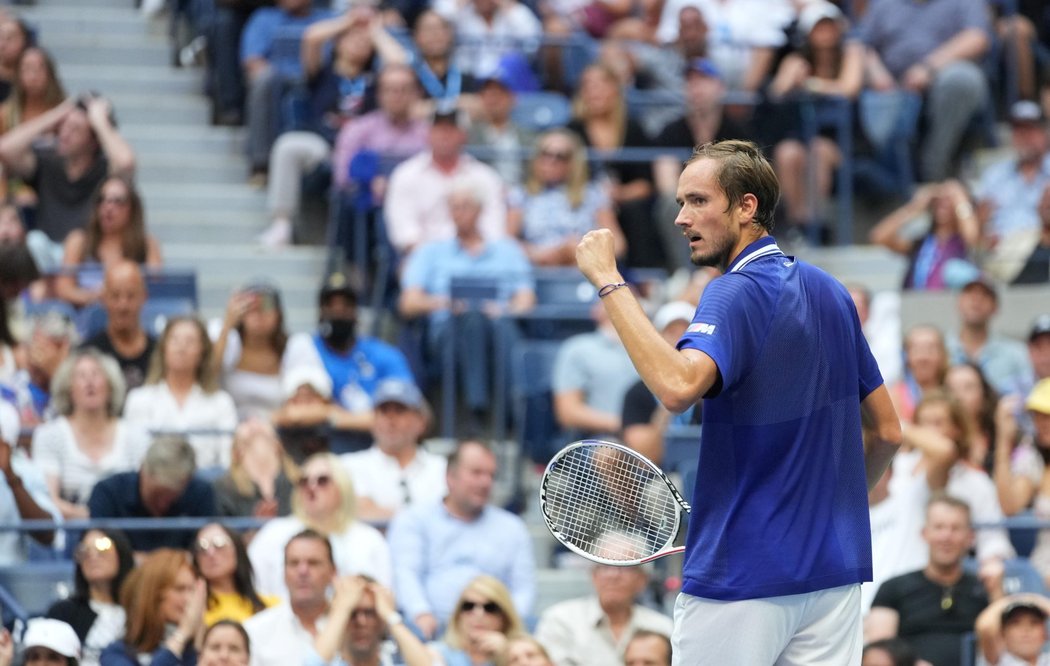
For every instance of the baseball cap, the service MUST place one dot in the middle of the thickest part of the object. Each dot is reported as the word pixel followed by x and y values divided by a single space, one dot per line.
pixel 1039 398
pixel 1041 326
pixel 337 283
pixel 400 391
pixel 984 283
pixel 1013 610
pixel 815 12
pixel 704 67
pixel 1024 112
pixel 54 635
pixel 672 312
pixel 306 374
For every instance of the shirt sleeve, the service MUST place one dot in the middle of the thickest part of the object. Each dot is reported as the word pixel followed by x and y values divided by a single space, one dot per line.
pixel 417 268
pixel 103 502
pixel 638 405
pixel 566 374
pixel 556 635
pixel 256 38
pixel 34 483
pixel 888 595
pixel 493 220
pixel 398 211
pixel 407 540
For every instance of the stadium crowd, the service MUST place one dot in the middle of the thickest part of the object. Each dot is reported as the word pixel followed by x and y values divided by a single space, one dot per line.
pixel 369 547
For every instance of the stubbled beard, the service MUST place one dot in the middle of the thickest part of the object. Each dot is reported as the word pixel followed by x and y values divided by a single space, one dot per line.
pixel 717 258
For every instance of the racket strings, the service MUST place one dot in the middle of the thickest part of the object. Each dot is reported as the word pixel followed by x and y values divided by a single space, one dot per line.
pixel 610 505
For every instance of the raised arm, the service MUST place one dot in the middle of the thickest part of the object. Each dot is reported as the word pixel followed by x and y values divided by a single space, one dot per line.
pixel 887 231
pixel 16 146
pixel 117 150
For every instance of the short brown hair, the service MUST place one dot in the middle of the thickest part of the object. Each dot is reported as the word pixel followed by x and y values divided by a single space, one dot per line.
pixel 950 501
pixel 743 170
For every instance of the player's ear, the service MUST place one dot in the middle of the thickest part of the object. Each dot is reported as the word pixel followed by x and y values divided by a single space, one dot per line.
pixel 748 207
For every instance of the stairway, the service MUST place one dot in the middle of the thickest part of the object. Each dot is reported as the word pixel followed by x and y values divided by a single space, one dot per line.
pixel 192 176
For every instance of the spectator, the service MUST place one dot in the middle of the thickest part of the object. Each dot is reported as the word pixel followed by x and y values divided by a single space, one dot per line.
pixel 495 129
pixel 163 487
pixel 967 384
pixel 477 332
pixel 490 30
pixel 260 479
pixel 15 38
pixel 181 394
pixel 525 650
pixel 830 63
pixel 1002 359
pixel 23 493
pixel 308 407
pixel 221 560
pixel 283 634
pixel 396 472
pixel 559 203
pixel 889 652
pixel 896 527
pixel 443 545
pixel 88 440
pixel 600 118
pixel 415 207
pixel 659 66
pixel 36 89
pixel 341 90
pixel 225 643
pixel 930 50
pixel 361 613
pixel 936 453
pixel 263 77
pixel 1039 347
pixel 103 561
pixel 1036 266
pixel 1010 189
pixel 433 59
pixel 881 326
pixel 1020 463
pixel 124 338
pixel 592 374
pixel 356 364
pixel 324 503
pixel 115 231
pixel 65 177
pixel 644 420
pixel 52 336
pixel 223 27
pixel 42 252
pixel 164 602
pixel 925 366
pixel 648 648
pixel 249 353
pixel 1012 630
pixel 483 620
pixel 704 120
pixel 50 641
pixel 933 608
pixel 952 234
pixel 598 628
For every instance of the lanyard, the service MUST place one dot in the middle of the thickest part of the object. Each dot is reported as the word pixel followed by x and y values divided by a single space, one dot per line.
pixel 453 81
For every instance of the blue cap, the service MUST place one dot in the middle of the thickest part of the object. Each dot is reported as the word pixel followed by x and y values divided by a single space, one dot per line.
pixel 400 391
pixel 703 66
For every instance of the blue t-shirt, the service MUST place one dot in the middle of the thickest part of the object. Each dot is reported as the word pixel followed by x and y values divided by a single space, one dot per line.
pixel 780 505
pixel 356 374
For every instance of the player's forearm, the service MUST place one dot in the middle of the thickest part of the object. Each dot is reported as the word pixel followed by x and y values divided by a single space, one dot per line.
pixel 886 438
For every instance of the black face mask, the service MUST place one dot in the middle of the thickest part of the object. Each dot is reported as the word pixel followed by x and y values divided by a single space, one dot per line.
pixel 338 332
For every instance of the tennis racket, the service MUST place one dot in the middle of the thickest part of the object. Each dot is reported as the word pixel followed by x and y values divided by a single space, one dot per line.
pixel 611 504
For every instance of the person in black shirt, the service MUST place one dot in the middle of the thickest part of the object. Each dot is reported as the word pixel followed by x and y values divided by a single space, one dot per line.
pixel 933 608
pixel 123 295
pixel 1036 269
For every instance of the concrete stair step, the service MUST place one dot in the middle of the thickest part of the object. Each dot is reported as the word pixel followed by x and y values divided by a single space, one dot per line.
pixel 130 77
pixel 184 140
pixel 156 55
pixel 197 197
pixel 207 171
pixel 83 18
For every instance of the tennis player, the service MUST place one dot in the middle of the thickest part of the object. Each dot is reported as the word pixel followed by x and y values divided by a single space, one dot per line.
pixel 778 540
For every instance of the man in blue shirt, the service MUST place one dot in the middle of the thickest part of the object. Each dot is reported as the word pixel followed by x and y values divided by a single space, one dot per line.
pixel 778 539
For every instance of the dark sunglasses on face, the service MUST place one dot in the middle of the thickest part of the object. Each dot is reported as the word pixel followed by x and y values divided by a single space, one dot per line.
pixel 217 542
pixel 95 546
pixel 490 607
pixel 319 481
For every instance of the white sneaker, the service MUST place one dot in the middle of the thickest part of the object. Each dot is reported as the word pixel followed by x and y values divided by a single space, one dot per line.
pixel 278 235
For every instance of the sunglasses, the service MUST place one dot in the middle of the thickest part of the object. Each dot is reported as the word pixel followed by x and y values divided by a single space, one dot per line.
pixel 561 156
pixel 490 607
pixel 319 481
pixel 217 542
pixel 95 546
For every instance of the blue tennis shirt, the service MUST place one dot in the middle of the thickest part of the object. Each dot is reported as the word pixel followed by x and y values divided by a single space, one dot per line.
pixel 780 505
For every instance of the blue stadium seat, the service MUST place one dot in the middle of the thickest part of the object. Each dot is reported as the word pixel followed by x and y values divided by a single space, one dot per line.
pixel 156 312
pixel 532 364
pixel 681 448
pixel 173 284
pixel 538 111
pixel 37 585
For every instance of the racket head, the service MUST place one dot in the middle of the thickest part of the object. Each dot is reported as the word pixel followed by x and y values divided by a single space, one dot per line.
pixel 610 504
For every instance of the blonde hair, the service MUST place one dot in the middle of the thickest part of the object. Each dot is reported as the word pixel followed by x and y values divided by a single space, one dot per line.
pixel 62 382
pixel 244 432
pixel 493 590
pixel 579 107
pixel 579 173
pixel 347 511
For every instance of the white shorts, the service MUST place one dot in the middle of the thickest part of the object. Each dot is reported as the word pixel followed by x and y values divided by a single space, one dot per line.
pixel 822 627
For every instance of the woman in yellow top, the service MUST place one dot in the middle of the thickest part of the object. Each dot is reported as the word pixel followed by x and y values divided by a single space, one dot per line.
pixel 222 560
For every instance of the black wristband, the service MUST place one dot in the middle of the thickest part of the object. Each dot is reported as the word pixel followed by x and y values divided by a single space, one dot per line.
pixel 610 288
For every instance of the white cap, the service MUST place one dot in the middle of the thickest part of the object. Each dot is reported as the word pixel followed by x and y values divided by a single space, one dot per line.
pixel 306 374
pixel 672 312
pixel 52 634
pixel 815 12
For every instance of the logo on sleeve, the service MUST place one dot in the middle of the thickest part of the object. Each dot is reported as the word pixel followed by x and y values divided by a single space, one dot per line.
pixel 700 327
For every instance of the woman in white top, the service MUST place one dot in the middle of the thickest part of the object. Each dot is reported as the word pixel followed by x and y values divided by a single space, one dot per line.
pixel 181 394
pixel 87 441
pixel 935 452
pixel 323 501
pixel 249 352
